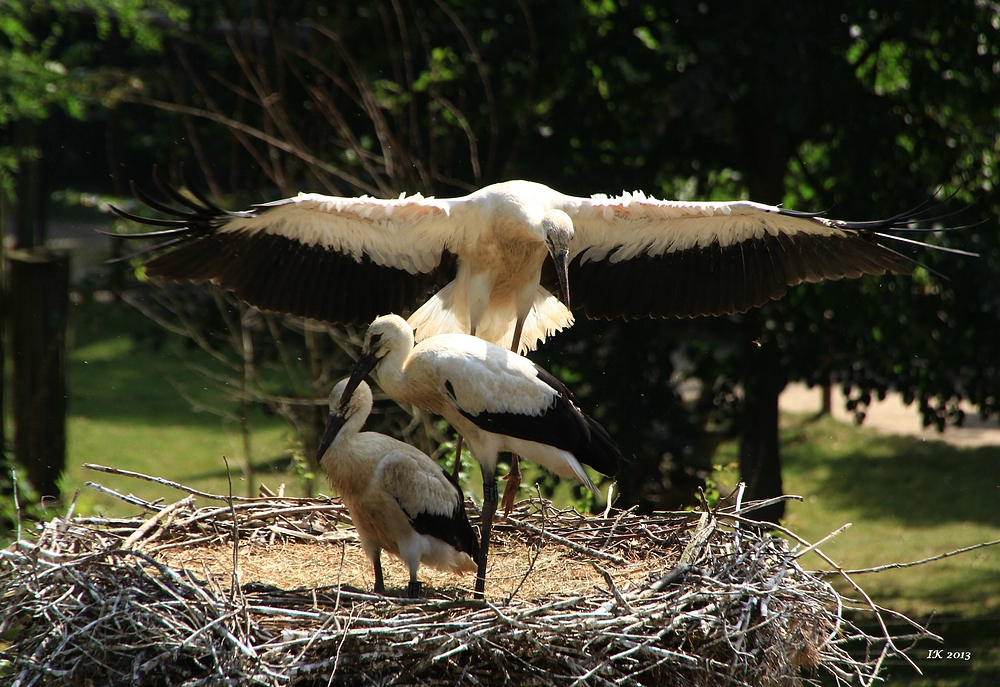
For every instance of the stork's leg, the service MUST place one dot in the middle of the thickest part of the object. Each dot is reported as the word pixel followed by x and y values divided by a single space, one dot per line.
pixel 489 508
pixel 515 343
pixel 413 589
pixel 514 476
pixel 379 581
pixel 458 459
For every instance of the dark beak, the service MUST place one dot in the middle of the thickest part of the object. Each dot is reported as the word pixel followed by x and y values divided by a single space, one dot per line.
pixel 366 362
pixel 561 260
pixel 333 426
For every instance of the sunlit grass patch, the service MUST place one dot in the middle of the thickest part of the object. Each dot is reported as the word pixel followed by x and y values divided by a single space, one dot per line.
pixel 131 407
pixel 906 498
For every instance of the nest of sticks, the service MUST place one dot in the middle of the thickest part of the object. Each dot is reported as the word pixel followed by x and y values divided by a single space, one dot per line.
pixel 273 591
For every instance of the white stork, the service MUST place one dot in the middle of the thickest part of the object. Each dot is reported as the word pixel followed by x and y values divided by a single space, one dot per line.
pixel 482 258
pixel 399 499
pixel 496 399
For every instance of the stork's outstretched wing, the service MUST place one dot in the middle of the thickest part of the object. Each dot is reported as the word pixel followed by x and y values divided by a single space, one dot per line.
pixel 344 260
pixel 635 256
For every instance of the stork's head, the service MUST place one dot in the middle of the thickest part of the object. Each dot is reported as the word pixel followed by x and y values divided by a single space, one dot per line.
pixel 386 334
pixel 358 404
pixel 360 401
pixel 558 230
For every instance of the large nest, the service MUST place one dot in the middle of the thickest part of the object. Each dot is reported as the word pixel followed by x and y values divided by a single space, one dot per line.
pixel 271 591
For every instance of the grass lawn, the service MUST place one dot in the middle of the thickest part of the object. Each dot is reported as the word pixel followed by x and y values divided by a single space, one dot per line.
pixel 126 411
pixel 907 499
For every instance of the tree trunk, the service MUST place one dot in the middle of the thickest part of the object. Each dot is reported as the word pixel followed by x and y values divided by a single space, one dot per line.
pixel 766 148
pixel 826 399
pixel 38 301
pixel 760 457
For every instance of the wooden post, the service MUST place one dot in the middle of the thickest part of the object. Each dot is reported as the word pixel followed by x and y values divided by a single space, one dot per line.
pixel 4 465
pixel 38 301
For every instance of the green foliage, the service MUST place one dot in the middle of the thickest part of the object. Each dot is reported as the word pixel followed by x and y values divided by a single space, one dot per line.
pixel 53 55
pixel 858 110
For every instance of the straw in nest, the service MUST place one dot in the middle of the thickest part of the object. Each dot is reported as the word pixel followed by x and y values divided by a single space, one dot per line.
pixel 272 591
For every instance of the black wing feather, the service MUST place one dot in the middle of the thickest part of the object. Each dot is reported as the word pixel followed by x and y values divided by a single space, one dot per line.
pixel 721 280
pixel 454 529
pixel 563 425
pixel 273 272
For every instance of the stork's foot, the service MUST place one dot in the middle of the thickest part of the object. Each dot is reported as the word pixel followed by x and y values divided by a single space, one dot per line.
pixel 510 491
pixel 413 589
pixel 513 479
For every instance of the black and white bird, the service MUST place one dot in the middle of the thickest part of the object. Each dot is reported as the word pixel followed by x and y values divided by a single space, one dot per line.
pixel 399 499
pixel 496 399
pixel 478 264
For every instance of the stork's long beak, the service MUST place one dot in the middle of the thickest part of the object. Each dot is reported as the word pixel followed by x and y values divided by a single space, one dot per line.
pixel 333 426
pixel 561 260
pixel 366 362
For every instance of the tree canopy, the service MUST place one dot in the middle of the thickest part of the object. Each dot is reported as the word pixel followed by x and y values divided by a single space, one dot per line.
pixel 71 56
pixel 860 109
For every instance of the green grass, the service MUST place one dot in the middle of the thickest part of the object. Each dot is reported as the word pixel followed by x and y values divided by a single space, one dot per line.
pixel 127 410
pixel 907 499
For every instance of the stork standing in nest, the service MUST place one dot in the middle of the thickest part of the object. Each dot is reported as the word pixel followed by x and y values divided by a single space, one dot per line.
pixel 399 499
pixel 496 399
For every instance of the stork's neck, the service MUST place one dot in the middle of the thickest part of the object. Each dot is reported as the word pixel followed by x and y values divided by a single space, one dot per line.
pixel 341 461
pixel 349 431
pixel 391 373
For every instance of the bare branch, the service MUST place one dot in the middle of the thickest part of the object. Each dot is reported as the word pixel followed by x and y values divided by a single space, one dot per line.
pixel 241 127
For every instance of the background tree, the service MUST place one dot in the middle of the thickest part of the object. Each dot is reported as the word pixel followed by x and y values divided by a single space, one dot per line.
pixel 62 59
pixel 861 109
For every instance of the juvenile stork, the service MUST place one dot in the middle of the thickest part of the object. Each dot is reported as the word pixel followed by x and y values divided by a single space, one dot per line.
pixel 496 399
pixel 482 257
pixel 399 499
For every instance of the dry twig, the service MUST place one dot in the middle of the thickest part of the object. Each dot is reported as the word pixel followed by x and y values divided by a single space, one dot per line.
pixel 81 607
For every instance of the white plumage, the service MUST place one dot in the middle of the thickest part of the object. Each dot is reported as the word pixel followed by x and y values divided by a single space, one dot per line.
pixel 399 499
pixel 497 400
pixel 482 257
